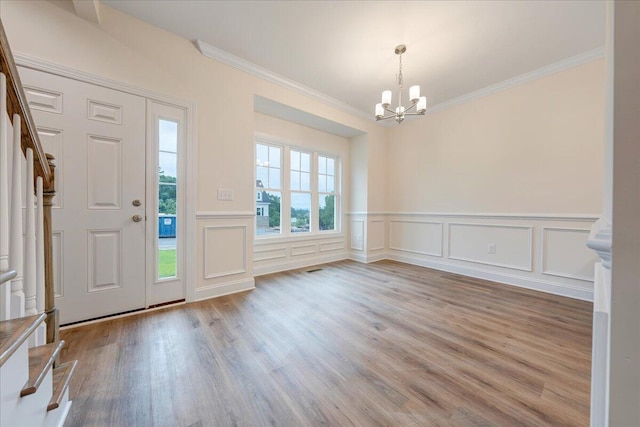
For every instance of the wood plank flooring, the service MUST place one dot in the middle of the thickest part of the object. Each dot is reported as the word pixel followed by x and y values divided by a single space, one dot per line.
pixel 384 344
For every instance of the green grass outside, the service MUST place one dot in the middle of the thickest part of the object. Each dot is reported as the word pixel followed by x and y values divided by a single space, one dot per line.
pixel 166 263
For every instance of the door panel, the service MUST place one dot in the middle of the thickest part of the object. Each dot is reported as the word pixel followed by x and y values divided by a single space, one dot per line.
pixel 98 138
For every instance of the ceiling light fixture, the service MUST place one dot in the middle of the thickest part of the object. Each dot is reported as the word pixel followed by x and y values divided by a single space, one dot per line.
pixel 418 102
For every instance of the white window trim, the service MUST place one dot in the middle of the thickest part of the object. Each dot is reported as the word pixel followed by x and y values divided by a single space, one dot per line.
pixel 285 191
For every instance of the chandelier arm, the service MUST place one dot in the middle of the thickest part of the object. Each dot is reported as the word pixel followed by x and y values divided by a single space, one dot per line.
pixel 413 105
pixel 389 110
pixel 386 117
pixel 414 114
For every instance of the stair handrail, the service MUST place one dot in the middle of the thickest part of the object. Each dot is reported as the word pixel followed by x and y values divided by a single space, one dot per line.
pixel 43 167
pixel 17 104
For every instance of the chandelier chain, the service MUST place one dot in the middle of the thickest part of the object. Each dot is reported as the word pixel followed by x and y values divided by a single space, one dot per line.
pixel 400 73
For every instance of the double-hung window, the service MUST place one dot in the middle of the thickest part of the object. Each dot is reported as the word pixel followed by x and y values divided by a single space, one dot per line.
pixel 326 193
pixel 268 189
pixel 300 186
pixel 297 190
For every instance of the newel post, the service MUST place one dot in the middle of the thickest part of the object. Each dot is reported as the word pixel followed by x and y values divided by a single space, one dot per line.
pixel 53 317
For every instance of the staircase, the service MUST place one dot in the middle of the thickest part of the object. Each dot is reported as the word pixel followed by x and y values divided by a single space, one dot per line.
pixel 32 391
pixel 34 388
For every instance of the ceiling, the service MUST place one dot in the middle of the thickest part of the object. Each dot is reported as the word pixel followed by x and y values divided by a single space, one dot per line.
pixel 345 49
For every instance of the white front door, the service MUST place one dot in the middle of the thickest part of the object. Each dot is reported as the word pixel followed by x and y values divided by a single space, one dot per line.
pixel 98 138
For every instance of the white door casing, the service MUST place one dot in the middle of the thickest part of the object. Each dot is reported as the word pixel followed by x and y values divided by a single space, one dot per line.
pixel 98 138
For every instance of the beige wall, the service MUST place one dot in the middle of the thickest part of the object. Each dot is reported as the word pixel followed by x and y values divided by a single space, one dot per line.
pixel 127 50
pixel 534 148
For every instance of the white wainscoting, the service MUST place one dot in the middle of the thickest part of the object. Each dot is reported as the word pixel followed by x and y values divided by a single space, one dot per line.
pixel 538 251
pixel 368 237
pixel 271 255
pixel 224 239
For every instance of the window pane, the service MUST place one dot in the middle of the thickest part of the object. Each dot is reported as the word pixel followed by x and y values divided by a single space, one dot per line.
pixel 274 157
pixel 274 178
pixel 167 260
pixel 330 184
pixel 322 183
pixel 168 135
pixel 262 175
pixel 305 161
pixel 167 164
pixel 331 168
pixel 269 207
pixel 322 165
pixel 167 182
pixel 262 155
pixel 295 180
pixel 305 181
pixel 300 212
pixel 295 160
pixel 327 212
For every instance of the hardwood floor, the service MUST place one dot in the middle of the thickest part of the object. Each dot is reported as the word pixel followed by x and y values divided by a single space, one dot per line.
pixel 384 344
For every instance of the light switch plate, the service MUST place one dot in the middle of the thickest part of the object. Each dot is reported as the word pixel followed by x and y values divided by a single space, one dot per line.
pixel 226 195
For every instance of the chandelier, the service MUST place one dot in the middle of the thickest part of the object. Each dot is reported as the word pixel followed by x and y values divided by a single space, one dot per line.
pixel 418 102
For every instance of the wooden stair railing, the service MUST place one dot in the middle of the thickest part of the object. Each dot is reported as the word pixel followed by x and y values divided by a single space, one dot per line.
pixel 43 167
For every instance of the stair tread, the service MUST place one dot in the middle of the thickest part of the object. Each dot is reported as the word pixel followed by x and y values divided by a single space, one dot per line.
pixel 61 378
pixel 14 332
pixel 6 275
pixel 40 360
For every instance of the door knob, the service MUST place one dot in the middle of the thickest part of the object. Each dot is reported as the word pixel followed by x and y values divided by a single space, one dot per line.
pixel 136 203
pixel 136 218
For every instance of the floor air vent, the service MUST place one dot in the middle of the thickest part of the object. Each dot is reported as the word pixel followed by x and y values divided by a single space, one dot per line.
pixel 314 270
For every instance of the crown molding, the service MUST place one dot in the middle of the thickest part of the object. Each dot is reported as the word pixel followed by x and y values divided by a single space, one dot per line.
pixel 556 67
pixel 249 67
pixel 260 72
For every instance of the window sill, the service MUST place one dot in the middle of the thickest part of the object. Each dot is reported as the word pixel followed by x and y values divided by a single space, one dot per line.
pixel 268 240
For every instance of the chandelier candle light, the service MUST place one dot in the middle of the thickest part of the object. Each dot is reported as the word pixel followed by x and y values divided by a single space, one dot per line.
pixel 418 102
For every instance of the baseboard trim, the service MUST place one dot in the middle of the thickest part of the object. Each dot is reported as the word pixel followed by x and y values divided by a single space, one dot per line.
pixel 223 289
pixel 276 268
pixel 508 279
pixel 367 259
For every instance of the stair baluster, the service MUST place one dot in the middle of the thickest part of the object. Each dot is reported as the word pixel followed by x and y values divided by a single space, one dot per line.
pixel 5 290
pixel 16 248
pixel 30 244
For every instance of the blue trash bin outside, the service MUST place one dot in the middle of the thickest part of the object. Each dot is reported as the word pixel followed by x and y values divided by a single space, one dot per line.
pixel 166 226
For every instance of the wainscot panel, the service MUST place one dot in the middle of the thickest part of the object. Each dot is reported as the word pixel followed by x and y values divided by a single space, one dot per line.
pixel 357 234
pixel 507 246
pixel 416 236
pixel 565 253
pixel 225 267
pixel 376 234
